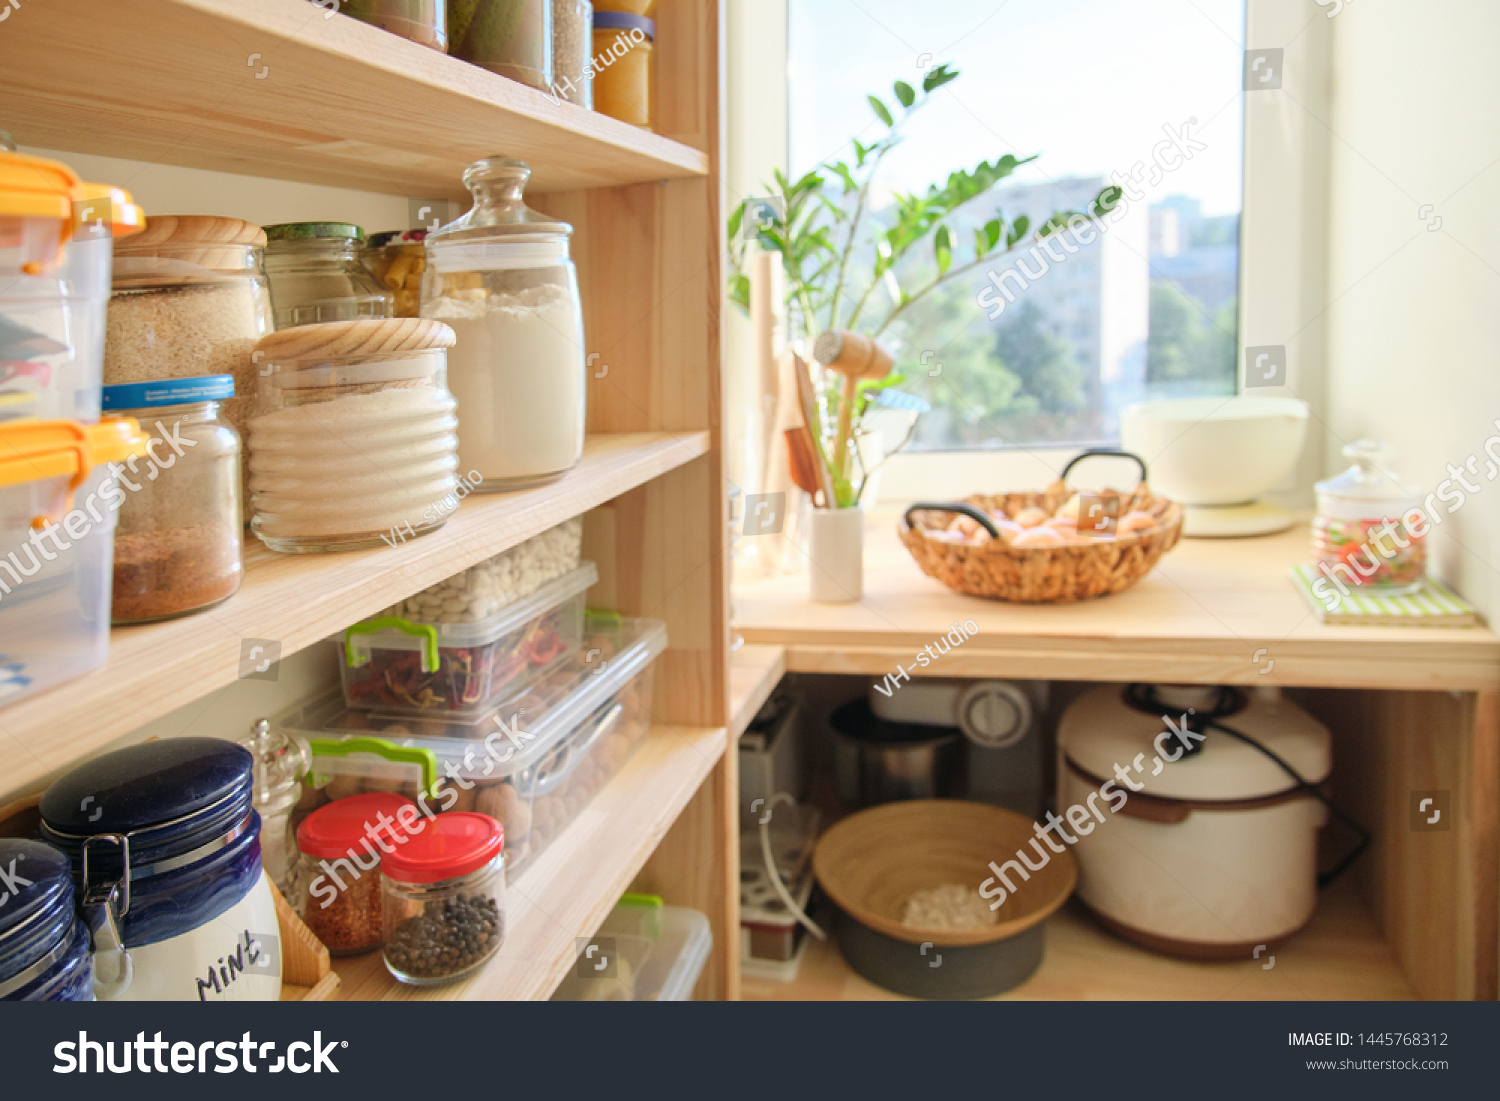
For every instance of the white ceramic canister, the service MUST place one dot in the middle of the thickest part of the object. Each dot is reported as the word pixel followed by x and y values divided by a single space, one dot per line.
pixel 835 555
pixel 165 848
pixel 1207 855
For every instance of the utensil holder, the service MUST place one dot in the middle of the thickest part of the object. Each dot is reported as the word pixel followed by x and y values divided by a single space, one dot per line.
pixel 835 555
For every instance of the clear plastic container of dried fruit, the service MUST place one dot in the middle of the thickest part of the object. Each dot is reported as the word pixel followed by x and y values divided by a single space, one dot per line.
pixel 443 899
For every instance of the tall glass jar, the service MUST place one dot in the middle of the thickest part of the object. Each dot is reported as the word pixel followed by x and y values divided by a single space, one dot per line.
pixel 397 259
pixel 190 299
pixel 281 762
pixel 572 51
pixel 443 899
pixel 353 443
pixel 1369 533
pixel 316 275
pixel 509 37
pixel 501 277
pixel 623 47
pixel 177 546
pixel 423 21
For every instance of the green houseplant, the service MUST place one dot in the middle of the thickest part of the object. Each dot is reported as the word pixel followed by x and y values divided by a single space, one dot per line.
pixel 850 267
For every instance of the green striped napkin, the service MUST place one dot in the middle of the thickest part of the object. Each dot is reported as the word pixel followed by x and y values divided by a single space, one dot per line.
pixel 1433 605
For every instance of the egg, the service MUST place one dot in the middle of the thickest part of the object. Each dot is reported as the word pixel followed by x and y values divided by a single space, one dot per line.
pixel 1008 529
pixel 1031 517
pixel 1039 537
pixel 1135 521
pixel 970 529
pixel 1069 509
pixel 945 536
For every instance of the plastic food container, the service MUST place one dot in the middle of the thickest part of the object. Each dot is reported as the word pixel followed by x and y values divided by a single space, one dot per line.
pixel 352 444
pixel 573 51
pixel 341 846
pixel 623 63
pixel 44 947
pixel 1369 532
pixel 57 520
pixel 533 763
pixel 397 260
pixel 645 951
pixel 509 37
pixel 434 668
pixel 165 847
pixel 422 21
pixel 444 899
pixel 501 277
pixel 316 275
pixel 177 548
pixel 190 299
pixel 55 243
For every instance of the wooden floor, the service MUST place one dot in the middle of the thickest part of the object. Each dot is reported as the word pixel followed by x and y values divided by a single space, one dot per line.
pixel 1339 956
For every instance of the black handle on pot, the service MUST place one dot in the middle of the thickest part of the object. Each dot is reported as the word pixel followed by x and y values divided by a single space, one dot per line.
pixel 977 515
pixel 1091 452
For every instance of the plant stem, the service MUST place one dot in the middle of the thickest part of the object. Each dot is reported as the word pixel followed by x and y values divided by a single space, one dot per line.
pixel 953 273
pixel 859 210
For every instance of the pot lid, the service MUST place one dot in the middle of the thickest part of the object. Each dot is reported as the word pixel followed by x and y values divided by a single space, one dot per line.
pixel 856 721
pixel 452 845
pixel 1370 480
pixel 332 830
pixel 499 212
pixel 1101 730
pixel 185 781
pixel 36 885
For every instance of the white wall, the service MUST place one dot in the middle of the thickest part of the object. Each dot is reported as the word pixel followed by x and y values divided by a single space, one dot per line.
pixel 1414 319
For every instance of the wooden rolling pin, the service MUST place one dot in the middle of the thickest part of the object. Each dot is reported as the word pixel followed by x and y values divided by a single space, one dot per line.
pixel 856 357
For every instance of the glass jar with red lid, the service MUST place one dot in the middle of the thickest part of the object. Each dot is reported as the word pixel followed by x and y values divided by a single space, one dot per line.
pixel 1370 533
pixel 444 893
pixel 342 845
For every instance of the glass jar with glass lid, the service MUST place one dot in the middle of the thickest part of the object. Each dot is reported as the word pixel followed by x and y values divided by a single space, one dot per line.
pixel 501 277
pixel 1369 532
pixel 317 276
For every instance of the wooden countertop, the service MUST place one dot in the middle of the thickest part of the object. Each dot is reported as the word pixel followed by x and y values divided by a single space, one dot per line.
pixel 1213 611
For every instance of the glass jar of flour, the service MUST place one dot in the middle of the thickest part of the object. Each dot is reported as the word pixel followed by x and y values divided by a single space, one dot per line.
pixel 500 276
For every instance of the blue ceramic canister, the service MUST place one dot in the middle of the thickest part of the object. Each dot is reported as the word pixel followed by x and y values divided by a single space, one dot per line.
pixel 165 849
pixel 44 948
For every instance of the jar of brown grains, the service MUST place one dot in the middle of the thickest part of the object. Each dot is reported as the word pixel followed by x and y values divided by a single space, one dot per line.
pixel 177 545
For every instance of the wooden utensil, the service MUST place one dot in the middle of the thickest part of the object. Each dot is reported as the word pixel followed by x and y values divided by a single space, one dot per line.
pixel 802 462
pixel 856 357
pixel 809 422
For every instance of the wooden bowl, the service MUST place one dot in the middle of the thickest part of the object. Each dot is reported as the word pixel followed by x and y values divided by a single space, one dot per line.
pixel 872 862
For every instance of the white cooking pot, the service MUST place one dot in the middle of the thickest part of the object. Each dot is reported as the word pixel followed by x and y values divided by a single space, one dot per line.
pixel 1216 853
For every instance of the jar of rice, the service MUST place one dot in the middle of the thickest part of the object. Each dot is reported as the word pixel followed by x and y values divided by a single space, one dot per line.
pixel 353 440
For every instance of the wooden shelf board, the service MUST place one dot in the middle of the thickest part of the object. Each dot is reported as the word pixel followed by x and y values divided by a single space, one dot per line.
pixel 1339 956
pixel 754 673
pixel 1213 611
pixel 297 600
pixel 273 88
pixel 567 892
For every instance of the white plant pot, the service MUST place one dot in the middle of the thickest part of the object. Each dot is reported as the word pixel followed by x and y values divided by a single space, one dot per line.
pixel 835 555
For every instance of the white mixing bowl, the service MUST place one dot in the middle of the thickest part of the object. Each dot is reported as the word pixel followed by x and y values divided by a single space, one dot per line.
pixel 1215 451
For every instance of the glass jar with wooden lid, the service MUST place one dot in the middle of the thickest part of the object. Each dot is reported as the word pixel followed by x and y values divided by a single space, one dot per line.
pixel 353 440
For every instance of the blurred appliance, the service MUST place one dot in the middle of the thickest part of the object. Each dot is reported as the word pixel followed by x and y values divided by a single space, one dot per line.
pixel 999 722
pixel 772 939
pixel 1217 455
pixel 771 752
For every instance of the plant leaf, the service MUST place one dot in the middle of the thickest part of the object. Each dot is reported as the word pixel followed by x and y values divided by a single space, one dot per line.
pixel 882 112
pixel 905 94
pixel 739 291
pixel 735 219
pixel 992 231
pixel 1018 229
pixel 942 245
pixel 937 76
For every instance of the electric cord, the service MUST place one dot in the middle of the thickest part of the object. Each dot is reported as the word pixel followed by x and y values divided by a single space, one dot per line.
pixel 1143 697
pixel 775 876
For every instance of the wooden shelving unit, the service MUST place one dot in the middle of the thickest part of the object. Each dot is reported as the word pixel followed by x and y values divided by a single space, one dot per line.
pixel 272 88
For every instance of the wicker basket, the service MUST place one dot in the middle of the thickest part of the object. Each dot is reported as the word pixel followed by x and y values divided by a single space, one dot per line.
pixel 1042 575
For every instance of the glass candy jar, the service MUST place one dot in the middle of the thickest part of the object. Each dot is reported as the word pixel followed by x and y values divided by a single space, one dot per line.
pixel 1369 533
pixel 317 276
pixel 501 277
pixel 281 761
pixel 353 443
pixel 177 546
pixel 444 899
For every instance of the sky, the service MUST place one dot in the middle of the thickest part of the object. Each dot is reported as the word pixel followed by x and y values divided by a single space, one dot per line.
pixel 1087 84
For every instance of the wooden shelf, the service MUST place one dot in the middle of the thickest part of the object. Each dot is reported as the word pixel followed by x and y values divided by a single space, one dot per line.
pixel 1340 956
pixel 298 599
pixel 273 88
pixel 1213 611
pixel 566 892
pixel 754 673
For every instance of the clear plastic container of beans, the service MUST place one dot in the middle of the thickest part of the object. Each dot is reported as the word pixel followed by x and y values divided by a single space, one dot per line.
pixel 443 899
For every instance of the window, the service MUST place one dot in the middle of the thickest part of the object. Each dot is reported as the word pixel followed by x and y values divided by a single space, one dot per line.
pixel 1046 345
